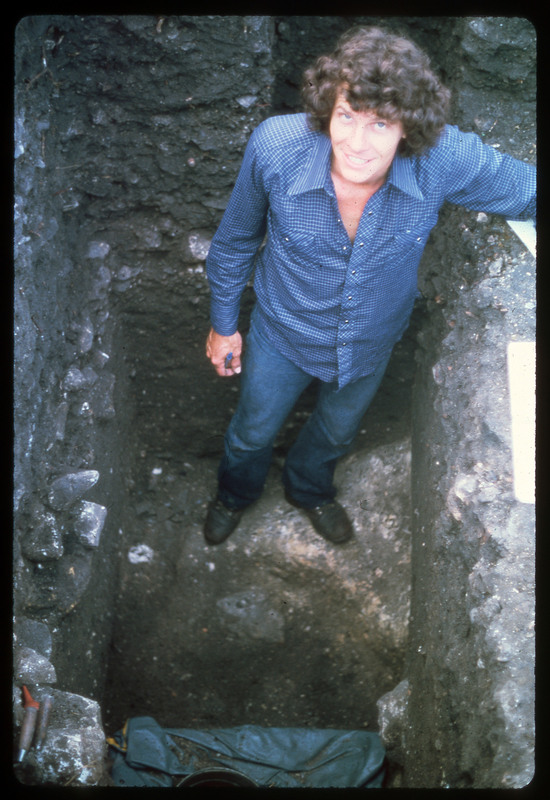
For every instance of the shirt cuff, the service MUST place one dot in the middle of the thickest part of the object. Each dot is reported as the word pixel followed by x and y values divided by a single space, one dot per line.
pixel 224 319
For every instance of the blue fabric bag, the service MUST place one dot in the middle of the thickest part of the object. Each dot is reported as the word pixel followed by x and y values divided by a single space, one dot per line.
pixel 147 755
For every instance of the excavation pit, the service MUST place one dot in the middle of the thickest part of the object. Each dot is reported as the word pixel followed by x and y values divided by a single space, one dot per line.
pixel 276 627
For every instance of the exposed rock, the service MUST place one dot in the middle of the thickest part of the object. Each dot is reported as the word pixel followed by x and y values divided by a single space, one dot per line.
pixel 392 719
pixel 89 522
pixel 74 750
pixel 61 420
pixel 43 541
pixel 33 668
pixel 69 488
pixel 77 379
pixel 250 614
pixel 98 249
pixel 31 632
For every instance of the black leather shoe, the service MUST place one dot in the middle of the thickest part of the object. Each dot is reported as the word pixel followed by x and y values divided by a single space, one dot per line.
pixel 220 522
pixel 330 520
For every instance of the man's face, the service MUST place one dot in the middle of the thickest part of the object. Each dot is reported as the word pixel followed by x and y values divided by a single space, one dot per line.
pixel 363 145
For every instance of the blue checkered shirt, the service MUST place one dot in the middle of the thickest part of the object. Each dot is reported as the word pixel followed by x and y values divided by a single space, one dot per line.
pixel 334 308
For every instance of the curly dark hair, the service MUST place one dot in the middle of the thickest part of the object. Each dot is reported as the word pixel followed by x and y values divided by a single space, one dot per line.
pixel 382 72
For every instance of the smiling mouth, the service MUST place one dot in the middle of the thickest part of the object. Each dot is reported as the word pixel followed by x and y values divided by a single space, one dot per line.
pixel 358 162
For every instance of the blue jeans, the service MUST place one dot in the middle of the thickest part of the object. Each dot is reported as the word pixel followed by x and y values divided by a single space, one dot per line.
pixel 270 387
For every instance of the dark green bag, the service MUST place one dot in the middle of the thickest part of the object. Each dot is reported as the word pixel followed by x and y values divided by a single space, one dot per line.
pixel 147 755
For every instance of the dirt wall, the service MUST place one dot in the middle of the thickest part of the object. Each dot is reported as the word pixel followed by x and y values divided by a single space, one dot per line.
pixel 471 650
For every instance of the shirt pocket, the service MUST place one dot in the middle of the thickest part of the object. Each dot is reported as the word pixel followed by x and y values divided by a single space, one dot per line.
pixel 405 242
pixel 298 247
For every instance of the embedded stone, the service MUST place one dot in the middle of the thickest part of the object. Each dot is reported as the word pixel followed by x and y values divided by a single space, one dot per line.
pixel 67 489
pixel 33 634
pixel 60 420
pixel 74 749
pixel 199 246
pixel 89 523
pixel 392 720
pixel 77 379
pixel 44 539
pixel 249 614
pixel 33 668
pixel 86 336
pixel 247 101
pixel 98 250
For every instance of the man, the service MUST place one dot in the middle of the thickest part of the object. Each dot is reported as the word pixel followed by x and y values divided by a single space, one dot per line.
pixel 333 208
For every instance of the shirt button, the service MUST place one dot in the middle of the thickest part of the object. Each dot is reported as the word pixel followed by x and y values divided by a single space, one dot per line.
pixel 346 321
pixel 349 296
pixel 361 244
pixel 286 238
pixel 353 271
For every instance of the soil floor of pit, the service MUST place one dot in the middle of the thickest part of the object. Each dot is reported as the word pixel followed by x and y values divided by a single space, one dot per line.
pixel 172 656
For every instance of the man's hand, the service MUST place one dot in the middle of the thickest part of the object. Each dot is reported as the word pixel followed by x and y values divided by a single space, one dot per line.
pixel 218 348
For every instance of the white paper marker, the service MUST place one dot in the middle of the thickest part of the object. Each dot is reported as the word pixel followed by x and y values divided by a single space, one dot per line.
pixel 526 231
pixel 521 379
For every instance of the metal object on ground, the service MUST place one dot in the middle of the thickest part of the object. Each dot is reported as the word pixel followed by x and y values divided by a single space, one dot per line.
pixel 218 778
pixel 42 721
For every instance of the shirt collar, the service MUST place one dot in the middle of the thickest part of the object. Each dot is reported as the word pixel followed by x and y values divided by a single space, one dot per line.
pixel 403 177
pixel 314 174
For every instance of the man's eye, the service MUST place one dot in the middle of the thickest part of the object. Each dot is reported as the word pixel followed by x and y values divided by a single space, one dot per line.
pixel 380 125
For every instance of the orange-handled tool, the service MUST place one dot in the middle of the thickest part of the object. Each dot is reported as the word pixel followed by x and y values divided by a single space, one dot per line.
pixel 29 724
